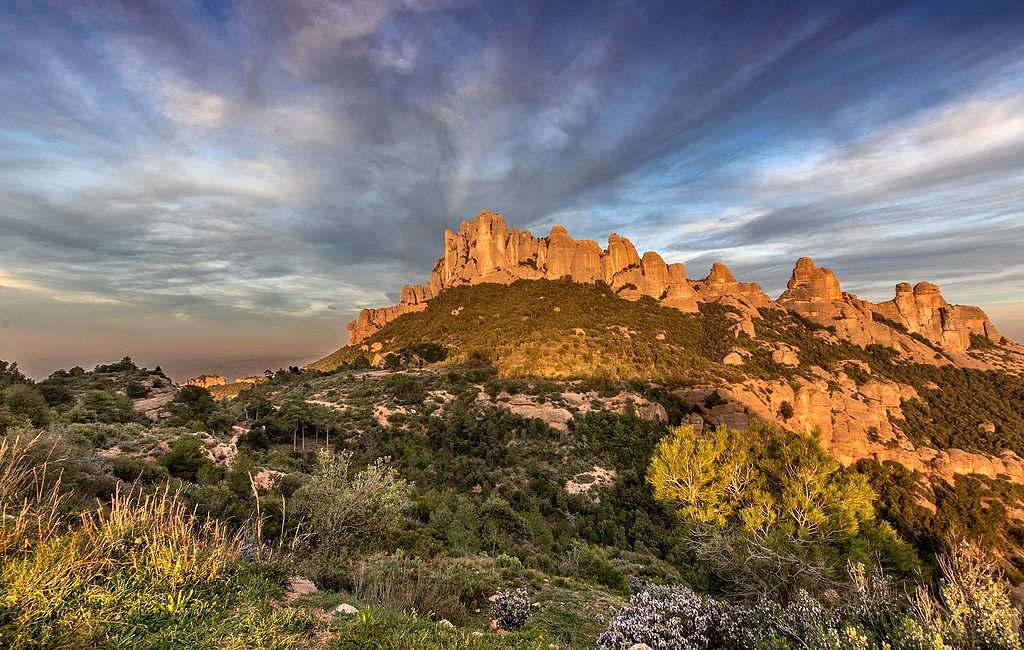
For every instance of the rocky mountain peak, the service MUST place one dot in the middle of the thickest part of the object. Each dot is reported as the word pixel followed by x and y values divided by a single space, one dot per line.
pixel 720 274
pixel 485 250
pixel 809 283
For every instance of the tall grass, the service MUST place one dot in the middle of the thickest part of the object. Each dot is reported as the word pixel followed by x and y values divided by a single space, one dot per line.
pixel 143 569
pixel 30 499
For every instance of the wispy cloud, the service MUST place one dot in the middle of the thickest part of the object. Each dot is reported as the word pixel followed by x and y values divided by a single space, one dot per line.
pixel 275 165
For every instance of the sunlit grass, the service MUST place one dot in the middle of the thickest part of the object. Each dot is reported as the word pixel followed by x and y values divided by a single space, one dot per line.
pixel 142 571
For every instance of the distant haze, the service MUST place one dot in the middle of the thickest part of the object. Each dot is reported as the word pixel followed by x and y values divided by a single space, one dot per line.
pixel 222 186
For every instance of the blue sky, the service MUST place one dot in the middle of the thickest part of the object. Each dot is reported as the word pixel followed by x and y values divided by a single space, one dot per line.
pixel 211 185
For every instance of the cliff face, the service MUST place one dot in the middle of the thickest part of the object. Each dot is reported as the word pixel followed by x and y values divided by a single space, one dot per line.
pixel 486 250
pixel 815 293
pixel 854 422
pixel 206 381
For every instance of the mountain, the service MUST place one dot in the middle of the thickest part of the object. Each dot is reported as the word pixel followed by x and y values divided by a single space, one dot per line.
pixel 547 435
pixel 486 251
pixel 915 380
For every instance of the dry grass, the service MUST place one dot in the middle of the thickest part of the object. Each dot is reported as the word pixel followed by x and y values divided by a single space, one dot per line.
pixel 142 569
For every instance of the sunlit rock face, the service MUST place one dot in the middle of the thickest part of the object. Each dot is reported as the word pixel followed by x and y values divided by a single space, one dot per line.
pixel 486 250
pixel 815 293
pixel 924 311
pixel 206 381
pixel 812 284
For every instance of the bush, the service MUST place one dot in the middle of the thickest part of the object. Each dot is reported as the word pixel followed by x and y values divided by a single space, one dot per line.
pixel 26 401
pixel 665 617
pixel 186 459
pixel 346 513
pixel 510 562
pixel 786 410
pixel 976 611
pixel 135 390
pixel 130 470
pixel 511 609
pixel 103 406
pixel 440 588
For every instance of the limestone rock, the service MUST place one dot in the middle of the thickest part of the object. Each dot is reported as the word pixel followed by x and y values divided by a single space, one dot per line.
pixel 733 359
pixel 923 310
pixel 811 284
pixel 721 286
pixel 346 610
pixel 815 293
pixel 485 250
pixel 206 381
pixel 786 356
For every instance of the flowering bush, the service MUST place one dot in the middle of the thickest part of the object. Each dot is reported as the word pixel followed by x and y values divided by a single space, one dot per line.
pixel 511 609
pixel 665 617
pixel 972 612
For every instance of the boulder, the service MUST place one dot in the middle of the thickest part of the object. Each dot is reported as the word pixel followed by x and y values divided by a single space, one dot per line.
pixel 733 359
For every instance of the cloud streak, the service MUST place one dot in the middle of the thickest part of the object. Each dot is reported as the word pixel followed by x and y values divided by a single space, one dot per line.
pixel 251 165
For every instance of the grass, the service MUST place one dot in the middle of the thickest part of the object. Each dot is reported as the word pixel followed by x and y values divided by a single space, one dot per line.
pixel 142 571
pixel 388 630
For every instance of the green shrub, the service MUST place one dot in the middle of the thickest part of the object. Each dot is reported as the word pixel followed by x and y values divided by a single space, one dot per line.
pixel 186 459
pixel 135 390
pixel 439 588
pixel 103 406
pixel 26 401
pixel 786 410
pixel 347 513
pixel 510 562
pixel 130 470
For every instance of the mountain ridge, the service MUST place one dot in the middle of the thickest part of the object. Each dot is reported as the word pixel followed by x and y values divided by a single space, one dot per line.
pixel 915 322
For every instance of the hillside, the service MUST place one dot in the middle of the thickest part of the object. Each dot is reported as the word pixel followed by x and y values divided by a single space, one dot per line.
pixel 868 402
pixel 535 462
pixel 930 390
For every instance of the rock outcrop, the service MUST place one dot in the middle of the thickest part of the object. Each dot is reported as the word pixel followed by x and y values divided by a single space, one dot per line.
pixel 816 294
pixel 923 310
pixel 928 329
pixel 854 421
pixel 205 381
pixel 485 250
pixel 811 284
pixel 721 286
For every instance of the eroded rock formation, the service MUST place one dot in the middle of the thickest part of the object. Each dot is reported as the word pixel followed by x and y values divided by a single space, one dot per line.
pixel 815 293
pixel 924 311
pixel 205 381
pixel 485 250
pixel 928 329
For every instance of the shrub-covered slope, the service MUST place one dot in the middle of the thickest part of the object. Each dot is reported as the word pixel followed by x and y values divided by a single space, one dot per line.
pixel 560 329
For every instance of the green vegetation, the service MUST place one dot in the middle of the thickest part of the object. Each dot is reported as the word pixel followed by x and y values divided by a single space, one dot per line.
pixel 142 571
pixel 499 468
pixel 596 335
pixel 521 329
pixel 769 511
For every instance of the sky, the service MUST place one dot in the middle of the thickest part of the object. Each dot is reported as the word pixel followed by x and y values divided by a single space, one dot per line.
pixel 221 186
